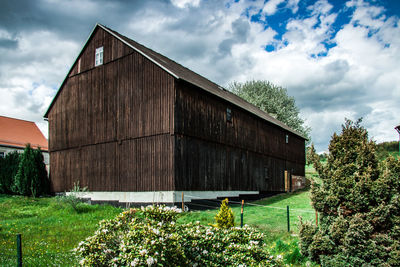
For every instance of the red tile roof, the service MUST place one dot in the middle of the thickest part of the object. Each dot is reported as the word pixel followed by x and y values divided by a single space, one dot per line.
pixel 18 133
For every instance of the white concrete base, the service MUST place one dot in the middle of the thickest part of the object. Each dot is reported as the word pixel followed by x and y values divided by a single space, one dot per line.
pixel 159 196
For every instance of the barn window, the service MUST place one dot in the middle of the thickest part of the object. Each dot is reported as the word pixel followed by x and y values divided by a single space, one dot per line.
pixel 228 115
pixel 287 139
pixel 99 56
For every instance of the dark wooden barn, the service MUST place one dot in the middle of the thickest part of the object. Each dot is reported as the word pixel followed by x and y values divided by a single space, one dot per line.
pixel 135 126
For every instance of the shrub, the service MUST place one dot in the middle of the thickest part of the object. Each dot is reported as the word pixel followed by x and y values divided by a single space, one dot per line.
pixel 8 169
pixel 31 178
pixel 224 217
pixel 358 202
pixel 150 236
pixel 72 197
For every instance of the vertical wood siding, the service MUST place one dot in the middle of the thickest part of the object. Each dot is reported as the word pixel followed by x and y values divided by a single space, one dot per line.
pixel 245 154
pixel 110 127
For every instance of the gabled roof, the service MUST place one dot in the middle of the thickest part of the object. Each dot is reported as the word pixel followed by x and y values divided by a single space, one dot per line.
pixel 18 133
pixel 183 73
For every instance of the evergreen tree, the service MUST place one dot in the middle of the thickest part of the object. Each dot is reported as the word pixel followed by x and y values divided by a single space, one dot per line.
pixel 8 169
pixel 43 184
pixel 359 204
pixel 31 178
pixel 224 217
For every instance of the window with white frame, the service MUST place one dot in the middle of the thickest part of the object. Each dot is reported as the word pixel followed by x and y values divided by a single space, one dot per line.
pixel 2 154
pixel 99 57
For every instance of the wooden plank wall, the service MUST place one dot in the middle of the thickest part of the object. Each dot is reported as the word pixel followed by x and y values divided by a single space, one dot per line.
pixel 246 154
pixel 105 113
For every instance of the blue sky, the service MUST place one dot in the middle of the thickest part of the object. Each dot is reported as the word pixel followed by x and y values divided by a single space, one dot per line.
pixel 339 59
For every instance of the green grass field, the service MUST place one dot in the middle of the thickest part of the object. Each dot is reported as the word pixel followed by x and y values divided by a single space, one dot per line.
pixel 50 229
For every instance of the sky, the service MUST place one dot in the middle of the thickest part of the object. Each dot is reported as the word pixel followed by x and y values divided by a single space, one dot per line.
pixel 339 59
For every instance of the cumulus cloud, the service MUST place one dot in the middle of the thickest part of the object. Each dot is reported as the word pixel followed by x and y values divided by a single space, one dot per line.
pixel 333 72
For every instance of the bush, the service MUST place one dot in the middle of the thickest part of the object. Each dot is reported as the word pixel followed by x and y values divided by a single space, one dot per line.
pixel 72 198
pixel 31 178
pixel 150 236
pixel 8 169
pixel 358 202
pixel 224 217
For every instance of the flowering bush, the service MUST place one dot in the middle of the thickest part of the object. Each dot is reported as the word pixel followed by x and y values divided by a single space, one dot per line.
pixel 150 236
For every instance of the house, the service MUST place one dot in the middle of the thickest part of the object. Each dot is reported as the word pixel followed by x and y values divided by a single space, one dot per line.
pixel 134 126
pixel 15 134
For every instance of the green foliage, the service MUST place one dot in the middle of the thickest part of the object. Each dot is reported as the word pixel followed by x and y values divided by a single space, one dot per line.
pixel 358 203
pixel 385 149
pixel 8 169
pixel 274 100
pixel 224 217
pixel 72 198
pixel 31 178
pixel 151 236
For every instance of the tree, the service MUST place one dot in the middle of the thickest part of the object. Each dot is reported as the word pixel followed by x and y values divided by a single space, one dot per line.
pixel 31 178
pixel 274 100
pixel 8 169
pixel 224 217
pixel 358 200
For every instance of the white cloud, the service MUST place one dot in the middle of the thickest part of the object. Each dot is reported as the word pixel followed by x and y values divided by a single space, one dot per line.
pixel 185 3
pixel 271 6
pixel 31 73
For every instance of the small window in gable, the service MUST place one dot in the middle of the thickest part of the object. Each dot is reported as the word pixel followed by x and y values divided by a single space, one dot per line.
pixel 228 115
pixel 99 57
pixel 287 139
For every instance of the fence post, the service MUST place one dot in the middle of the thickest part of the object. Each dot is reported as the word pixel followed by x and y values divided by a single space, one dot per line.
pixel 19 251
pixel 241 214
pixel 316 218
pixel 288 219
pixel 183 203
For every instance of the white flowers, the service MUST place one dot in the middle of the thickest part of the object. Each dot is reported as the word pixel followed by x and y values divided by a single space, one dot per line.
pixel 135 262
pixel 150 261
pixel 143 252
pixel 205 252
pixel 156 231
pixel 279 257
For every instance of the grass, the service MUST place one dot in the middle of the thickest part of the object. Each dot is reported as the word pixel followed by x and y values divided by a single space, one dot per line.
pixel 49 228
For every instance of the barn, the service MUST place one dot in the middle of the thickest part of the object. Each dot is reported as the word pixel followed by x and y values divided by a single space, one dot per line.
pixel 135 126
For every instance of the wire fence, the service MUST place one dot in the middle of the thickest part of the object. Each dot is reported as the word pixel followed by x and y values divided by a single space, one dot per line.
pixel 280 217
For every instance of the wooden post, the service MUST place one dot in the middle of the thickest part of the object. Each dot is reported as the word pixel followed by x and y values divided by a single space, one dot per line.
pixel 19 251
pixel 241 214
pixel 316 218
pixel 183 203
pixel 286 181
pixel 288 219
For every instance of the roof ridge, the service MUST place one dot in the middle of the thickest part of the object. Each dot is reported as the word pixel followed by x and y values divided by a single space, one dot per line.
pixel 17 119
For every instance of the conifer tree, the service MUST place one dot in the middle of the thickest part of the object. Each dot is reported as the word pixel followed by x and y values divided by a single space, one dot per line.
pixel 31 177
pixel 224 217
pixel 358 200
pixel 8 169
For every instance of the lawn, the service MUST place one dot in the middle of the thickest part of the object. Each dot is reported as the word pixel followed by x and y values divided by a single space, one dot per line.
pixel 50 229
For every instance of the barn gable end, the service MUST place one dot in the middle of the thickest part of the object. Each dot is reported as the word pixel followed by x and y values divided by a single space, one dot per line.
pixel 111 124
